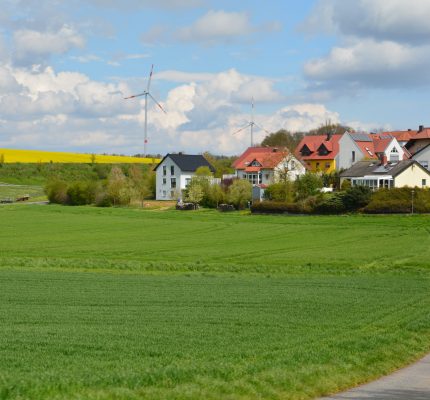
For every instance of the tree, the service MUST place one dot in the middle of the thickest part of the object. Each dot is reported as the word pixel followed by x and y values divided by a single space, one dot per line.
pixel 118 187
pixel 203 171
pixel 307 185
pixel 194 193
pixel 240 193
pixel 222 164
pixel 281 191
pixel 282 138
pixel 141 184
pixel 330 128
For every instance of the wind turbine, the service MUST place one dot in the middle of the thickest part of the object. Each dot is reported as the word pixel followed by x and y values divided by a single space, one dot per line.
pixel 147 93
pixel 251 125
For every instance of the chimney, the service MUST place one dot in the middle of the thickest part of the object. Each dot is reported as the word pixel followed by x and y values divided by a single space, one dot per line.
pixel 329 134
pixel 421 128
pixel 409 129
pixel 275 149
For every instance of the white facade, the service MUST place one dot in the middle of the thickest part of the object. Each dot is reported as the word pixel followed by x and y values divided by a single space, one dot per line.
pixel 170 180
pixel 349 152
pixel 423 157
pixel 266 176
pixel 394 152
pixel 413 176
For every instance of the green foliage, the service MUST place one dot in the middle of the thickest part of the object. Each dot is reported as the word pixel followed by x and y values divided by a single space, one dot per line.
pixel 118 187
pixel 307 185
pixel 282 138
pixel 56 190
pixel 1 159
pixel 331 203
pixel 356 197
pixel 281 191
pixel 81 193
pixel 399 200
pixel 275 207
pixel 222 164
pixel 240 193
pixel 195 190
pixel 203 171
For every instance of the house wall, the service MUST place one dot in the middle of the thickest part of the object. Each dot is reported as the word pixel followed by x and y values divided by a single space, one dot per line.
pixel 346 146
pixel 294 167
pixel 423 158
pixel 321 165
pixel 164 191
pixel 388 151
pixel 412 176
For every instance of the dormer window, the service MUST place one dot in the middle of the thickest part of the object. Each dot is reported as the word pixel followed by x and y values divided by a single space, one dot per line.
pixel 305 151
pixel 255 163
pixel 394 150
pixel 322 150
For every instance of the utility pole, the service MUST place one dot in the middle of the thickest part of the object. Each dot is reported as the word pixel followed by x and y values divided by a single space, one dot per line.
pixel 412 200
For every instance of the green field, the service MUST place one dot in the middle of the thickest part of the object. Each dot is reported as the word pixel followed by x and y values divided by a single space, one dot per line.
pixel 8 191
pixel 130 304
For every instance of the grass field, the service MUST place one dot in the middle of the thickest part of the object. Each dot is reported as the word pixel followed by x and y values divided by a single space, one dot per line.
pixel 36 193
pixel 130 304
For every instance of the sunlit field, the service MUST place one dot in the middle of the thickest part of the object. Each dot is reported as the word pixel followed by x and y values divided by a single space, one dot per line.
pixel 37 156
pixel 132 304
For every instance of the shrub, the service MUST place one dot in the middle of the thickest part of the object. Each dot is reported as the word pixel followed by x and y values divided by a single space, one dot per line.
pixel 399 200
pixel 307 185
pixel 81 193
pixel 282 191
pixel 56 191
pixel 275 207
pixel 332 203
pixel 239 193
pixel 356 197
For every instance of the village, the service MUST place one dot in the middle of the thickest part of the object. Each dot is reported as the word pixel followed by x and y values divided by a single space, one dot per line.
pixel 392 159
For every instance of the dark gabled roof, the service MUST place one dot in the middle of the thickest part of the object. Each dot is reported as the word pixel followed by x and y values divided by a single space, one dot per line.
pixel 188 162
pixel 363 168
pixel 420 150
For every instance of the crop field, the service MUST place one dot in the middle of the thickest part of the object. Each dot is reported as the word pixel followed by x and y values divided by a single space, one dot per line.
pixel 132 304
pixel 39 156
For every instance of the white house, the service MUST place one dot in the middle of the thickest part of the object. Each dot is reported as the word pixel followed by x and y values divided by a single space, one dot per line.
pixel 265 165
pixel 174 172
pixel 354 147
pixel 375 175
pixel 423 156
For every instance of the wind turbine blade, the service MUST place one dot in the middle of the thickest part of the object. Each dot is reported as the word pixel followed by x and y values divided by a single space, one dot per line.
pixel 150 77
pixel 259 126
pixel 156 102
pixel 241 129
pixel 135 95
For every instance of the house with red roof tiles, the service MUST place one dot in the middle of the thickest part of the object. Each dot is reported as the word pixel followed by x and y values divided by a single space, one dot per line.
pixel 319 153
pixel 354 147
pixel 265 165
pixel 418 141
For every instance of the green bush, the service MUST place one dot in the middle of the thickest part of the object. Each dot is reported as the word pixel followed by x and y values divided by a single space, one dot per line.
pixel 275 207
pixel 356 197
pixel 330 203
pixel 56 191
pixel 81 193
pixel 281 191
pixel 399 200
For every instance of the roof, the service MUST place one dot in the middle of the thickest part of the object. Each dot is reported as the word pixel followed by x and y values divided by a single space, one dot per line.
pixel 424 134
pixel 401 136
pixel 188 162
pixel 267 157
pixel 313 142
pixel 365 168
pixel 422 149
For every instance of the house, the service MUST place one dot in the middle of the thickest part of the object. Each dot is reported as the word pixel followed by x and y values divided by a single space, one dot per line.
pixel 423 156
pixel 174 172
pixel 375 175
pixel 419 141
pixel 355 147
pixel 266 165
pixel 319 153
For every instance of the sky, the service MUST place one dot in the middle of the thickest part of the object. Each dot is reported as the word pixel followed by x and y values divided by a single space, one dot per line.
pixel 66 66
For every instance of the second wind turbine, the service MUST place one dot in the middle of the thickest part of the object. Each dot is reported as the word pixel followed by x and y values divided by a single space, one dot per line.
pixel 146 93
pixel 251 125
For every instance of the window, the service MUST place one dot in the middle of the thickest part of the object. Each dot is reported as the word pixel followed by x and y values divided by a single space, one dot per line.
pixel 424 182
pixel 327 165
pixel 255 179
pixel 293 165
pixel 394 150
pixel 353 156
pixel 172 170
pixel 173 183
pixel 164 181
pixel 164 170
pixel 172 194
pixel 187 181
pixel 164 193
pixel 317 165
pixel 322 150
pixel 425 164
pixel 305 151
pixel 267 176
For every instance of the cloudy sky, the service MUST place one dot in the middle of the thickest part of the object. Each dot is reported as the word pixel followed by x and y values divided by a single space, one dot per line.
pixel 65 67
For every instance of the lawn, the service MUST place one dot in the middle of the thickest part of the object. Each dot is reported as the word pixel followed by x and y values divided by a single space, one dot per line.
pixel 131 304
pixel 13 192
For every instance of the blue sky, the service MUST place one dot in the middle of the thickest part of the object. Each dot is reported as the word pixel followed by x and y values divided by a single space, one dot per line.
pixel 66 66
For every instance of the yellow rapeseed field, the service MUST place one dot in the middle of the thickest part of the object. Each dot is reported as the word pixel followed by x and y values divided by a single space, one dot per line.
pixel 37 156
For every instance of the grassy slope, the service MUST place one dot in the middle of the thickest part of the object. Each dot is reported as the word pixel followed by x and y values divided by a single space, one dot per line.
pixel 311 318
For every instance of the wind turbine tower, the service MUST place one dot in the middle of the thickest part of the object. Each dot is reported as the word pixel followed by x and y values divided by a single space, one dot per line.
pixel 147 93
pixel 251 125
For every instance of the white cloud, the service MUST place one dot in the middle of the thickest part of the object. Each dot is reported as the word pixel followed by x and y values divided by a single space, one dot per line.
pixel 392 20
pixel 32 47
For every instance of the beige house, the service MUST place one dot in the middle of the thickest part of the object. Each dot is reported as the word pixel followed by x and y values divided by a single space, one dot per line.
pixel 376 175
